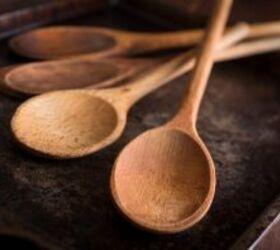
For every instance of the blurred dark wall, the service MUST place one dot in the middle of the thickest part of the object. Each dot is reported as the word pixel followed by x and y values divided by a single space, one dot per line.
pixel 181 11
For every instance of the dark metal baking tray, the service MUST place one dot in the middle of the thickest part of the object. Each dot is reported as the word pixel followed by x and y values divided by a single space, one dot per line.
pixel 67 205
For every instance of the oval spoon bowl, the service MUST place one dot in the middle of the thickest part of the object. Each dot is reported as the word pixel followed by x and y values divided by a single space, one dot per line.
pixel 171 180
pixel 37 78
pixel 59 42
pixel 67 124
pixel 82 72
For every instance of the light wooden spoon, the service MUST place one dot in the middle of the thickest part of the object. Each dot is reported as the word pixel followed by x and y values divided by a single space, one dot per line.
pixel 164 180
pixel 64 41
pixel 74 123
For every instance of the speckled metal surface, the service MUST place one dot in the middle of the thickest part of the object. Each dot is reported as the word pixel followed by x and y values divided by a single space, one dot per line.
pixel 67 203
pixel 258 233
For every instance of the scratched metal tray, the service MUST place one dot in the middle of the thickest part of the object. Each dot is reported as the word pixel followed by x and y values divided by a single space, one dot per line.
pixel 46 204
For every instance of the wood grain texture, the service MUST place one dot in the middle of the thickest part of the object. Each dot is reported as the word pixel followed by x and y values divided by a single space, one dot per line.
pixel 203 67
pixel 61 41
pixel 88 72
pixel 160 181
pixel 82 72
pixel 52 141
pixel 164 180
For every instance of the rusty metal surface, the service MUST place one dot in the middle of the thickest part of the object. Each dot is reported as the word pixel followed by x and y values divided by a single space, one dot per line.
pixel 67 203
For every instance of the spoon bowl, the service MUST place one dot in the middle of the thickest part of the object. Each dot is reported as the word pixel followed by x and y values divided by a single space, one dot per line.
pixel 171 178
pixel 81 72
pixel 59 42
pixel 38 78
pixel 64 124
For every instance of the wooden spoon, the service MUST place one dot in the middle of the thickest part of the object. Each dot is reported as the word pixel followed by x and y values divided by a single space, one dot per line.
pixel 164 180
pixel 85 71
pixel 74 73
pixel 64 41
pixel 74 123
pixel 10 75
pixel 37 78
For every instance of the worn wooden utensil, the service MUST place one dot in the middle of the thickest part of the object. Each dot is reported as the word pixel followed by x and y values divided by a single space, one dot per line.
pixel 64 41
pixel 74 123
pixel 164 180
pixel 36 78
pixel 89 72
pixel 74 73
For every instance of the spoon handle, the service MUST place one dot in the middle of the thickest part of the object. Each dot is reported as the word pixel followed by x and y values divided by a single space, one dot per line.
pixel 241 50
pixel 187 115
pixel 264 29
pixel 145 42
pixel 251 48
pixel 155 78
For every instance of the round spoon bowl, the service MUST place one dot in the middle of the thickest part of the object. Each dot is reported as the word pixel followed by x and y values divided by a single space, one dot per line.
pixel 60 42
pixel 40 78
pixel 66 124
pixel 171 179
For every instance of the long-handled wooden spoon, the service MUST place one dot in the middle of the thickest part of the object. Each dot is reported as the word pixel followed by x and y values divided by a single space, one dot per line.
pixel 64 41
pixel 37 78
pixel 87 71
pixel 74 123
pixel 74 73
pixel 164 180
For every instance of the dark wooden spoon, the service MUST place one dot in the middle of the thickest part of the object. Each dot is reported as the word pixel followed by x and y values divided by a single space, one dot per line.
pixel 65 41
pixel 36 78
pixel 83 72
